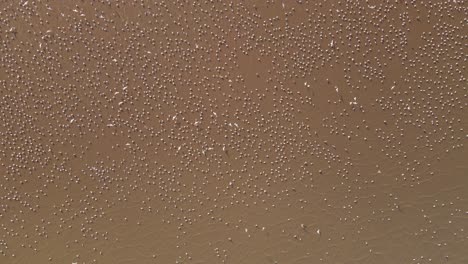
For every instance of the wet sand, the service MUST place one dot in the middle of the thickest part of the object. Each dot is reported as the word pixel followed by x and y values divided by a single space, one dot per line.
pixel 233 132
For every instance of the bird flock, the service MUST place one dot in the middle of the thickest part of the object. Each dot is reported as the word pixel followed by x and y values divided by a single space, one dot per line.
pixel 213 131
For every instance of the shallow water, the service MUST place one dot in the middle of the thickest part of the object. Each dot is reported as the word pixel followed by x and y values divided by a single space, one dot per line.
pixel 233 132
